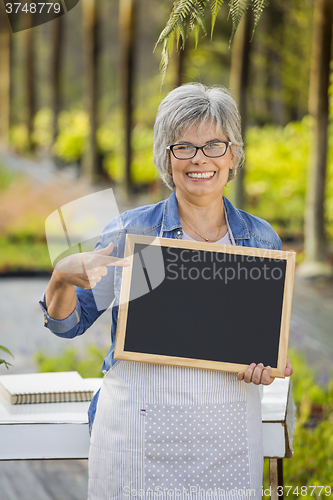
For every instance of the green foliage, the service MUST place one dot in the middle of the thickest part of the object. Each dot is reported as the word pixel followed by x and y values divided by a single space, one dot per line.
pixel 19 138
pixel 143 170
pixel 43 135
pixel 312 462
pixel 2 361
pixel 258 7
pixel 74 129
pixel 73 132
pixel 238 9
pixel 303 380
pixel 88 366
pixel 276 171
pixel 277 161
pixel 6 178
pixel 215 8
pixel 25 255
pixel 187 16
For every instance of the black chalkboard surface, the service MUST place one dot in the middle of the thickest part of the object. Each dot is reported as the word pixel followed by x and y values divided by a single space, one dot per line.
pixel 204 305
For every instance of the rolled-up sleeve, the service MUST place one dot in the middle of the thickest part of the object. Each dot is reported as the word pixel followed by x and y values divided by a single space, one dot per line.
pixel 61 327
pixel 90 303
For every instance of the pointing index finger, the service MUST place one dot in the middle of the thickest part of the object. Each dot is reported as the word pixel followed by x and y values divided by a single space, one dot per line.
pixel 105 260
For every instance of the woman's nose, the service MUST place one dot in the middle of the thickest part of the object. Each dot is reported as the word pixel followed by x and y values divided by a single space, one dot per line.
pixel 199 156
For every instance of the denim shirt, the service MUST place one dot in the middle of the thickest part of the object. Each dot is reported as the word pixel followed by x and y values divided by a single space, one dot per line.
pixel 158 220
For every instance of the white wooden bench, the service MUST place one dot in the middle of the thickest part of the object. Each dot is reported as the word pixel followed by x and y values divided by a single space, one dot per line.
pixel 60 430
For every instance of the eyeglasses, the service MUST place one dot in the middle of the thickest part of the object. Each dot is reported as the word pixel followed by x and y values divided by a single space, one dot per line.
pixel 188 151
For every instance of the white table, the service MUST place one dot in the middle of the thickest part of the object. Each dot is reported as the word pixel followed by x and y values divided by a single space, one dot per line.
pixel 60 430
pixel 278 425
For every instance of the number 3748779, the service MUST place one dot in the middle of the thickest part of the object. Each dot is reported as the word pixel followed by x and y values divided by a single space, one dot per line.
pixel 33 8
pixel 315 491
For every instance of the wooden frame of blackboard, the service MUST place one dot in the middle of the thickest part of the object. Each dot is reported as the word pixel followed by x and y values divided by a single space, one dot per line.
pixel 280 256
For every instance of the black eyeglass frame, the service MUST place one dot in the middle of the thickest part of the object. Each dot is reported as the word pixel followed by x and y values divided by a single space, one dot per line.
pixel 227 143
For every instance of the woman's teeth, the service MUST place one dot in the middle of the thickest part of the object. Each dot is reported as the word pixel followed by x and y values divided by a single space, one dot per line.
pixel 203 175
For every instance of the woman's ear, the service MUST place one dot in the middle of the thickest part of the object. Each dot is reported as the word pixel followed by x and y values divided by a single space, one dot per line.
pixel 169 166
pixel 231 150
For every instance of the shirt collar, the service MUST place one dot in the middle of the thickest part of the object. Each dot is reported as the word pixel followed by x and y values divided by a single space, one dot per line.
pixel 235 220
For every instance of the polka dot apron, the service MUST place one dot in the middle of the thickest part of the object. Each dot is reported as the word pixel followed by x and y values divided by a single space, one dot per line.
pixel 175 433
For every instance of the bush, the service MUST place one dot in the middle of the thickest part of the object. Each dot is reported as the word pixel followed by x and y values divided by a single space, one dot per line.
pixel 276 175
pixel 312 462
pixel 27 255
pixel 19 138
pixel 43 128
pixel 69 360
pixel 143 170
pixel 73 132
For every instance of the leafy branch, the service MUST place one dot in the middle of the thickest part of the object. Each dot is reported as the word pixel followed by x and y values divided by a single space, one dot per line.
pixel 2 361
pixel 190 15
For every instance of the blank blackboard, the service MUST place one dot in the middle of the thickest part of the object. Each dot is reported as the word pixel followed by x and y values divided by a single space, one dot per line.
pixel 204 305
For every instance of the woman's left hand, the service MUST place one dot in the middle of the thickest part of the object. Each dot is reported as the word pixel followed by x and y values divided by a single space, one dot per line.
pixel 259 374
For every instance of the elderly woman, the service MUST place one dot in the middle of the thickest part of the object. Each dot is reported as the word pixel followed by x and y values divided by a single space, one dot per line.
pixel 163 431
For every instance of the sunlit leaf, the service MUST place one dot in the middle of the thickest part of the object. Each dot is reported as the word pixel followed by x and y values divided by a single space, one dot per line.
pixel 4 349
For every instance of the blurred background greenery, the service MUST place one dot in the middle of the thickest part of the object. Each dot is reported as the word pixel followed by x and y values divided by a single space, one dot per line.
pixel 84 94
pixel 80 93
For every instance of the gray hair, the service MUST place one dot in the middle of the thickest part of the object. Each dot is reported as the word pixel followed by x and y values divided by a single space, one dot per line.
pixel 188 105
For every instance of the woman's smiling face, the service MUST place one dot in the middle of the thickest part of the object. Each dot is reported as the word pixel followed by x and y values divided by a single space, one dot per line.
pixel 201 176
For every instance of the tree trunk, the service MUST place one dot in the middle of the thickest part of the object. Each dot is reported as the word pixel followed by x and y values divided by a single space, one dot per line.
pixel 30 85
pixel 276 106
pixel 239 77
pixel 57 37
pixel 127 17
pixel 315 239
pixel 4 77
pixel 90 167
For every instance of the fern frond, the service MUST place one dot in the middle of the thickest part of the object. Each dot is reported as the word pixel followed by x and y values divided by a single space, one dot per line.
pixel 184 14
pixel 215 8
pixel 237 10
pixel 179 11
pixel 182 32
pixel 164 60
pixel 257 7
pixel 197 21
pixel 198 16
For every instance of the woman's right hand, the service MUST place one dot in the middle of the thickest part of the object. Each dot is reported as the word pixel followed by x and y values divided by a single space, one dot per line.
pixel 86 269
